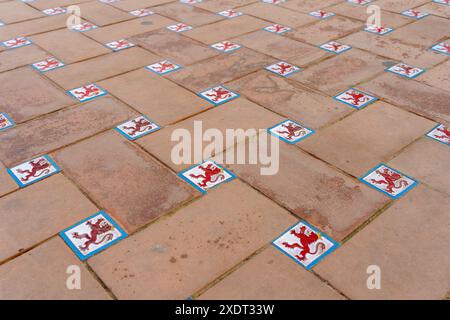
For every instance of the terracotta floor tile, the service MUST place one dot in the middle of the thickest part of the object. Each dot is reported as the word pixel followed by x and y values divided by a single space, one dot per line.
pixel 129 5
pixel 64 127
pixel 220 5
pixel 226 29
pixel 101 14
pixel 112 172
pixel 399 242
pixel 41 95
pixel 341 72
pixel 281 48
pixel 69 46
pixel 30 27
pixel 270 275
pixel 187 14
pixel 15 11
pixel 307 6
pixel 413 96
pixel 289 99
pixel 174 46
pixel 48 207
pixel 438 76
pixel 12 59
pixel 399 5
pixel 277 14
pixel 99 68
pixel 7 184
pixel 237 114
pixel 177 256
pixel 46 267
pixel 328 199
pixel 325 30
pixel 147 93
pixel 426 160
pixel 211 72
pixel 388 19
pixel 395 49
pixel 436 9
pixel 425 32
pixel 372 135
pixel 128 28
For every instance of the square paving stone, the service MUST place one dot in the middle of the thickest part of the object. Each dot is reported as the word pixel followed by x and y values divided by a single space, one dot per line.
pixel 61 128
pixel 113 172
pixel 15 11
pixel 411 95
pixel 364 139
pixel 323 196
pixel 46 266
pixel 99 68
pixel 69 46
pixel 171 259
pixel 174 46
pixel 156 97
pixel 30 27
pixel 34 214
pixel 426 160
pixel 101 14
pixel 12 59
pixel 398 242
pixel 269 275
pixel 188 14
pixel 25 94
pixel 438 76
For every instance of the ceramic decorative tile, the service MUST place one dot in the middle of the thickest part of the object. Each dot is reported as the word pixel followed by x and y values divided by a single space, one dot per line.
pixel 141 12
pixel 119 45
pixel 47 64
pixel 163 67
pixel 355 98
pixel 290 131
pixel 335 47
pixel 137 128
pixel 282 68
pixel 5 121
pixel 416 14
pixel 179 27
pixel 218 95
pixel 16 43
pixel 405 70
pixel 226 46
pixel 440 133
pixel 33 170
pixel 87 92
pixel 277 28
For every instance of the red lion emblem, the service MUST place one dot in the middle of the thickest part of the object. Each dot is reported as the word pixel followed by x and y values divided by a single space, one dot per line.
pixel 2 122
pixel 91 89
pixel 219 94
pixel 140 125
pixel 282 68
pixel 98 228
pixel 305 240
pixel 392 180
pixel 292 131
pixel 357 98
pixel 41 165
pixel 446 133
pixel 211 174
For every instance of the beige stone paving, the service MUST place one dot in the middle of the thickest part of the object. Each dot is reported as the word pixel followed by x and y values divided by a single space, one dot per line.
pixel 217 244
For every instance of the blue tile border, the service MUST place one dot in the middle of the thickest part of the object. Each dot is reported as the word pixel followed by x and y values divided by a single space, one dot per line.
pixel 434 139
pixel 9 119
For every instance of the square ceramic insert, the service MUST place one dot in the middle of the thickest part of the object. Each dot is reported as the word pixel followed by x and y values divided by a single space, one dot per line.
pixel 305 244
pixel 163 67
pixel 321 14
pixel 335 47
pixel 355 98
pixel 191 1
pixel 179 27
pixel 33 170
pixel 108 1
pixel 141 12
pixel 83 27
pixel 226 46
pixel 388 181
pixel 92 235
pixel 378 30
pixel 447 2
pixel 282 68
pixel 277 28
pixel 273 1
pixel 290 131
pixel 5 121
pixel 230 13
pixel 16 43
pixel 360 2
pixel 405 70
pixel 87 92
pixel 440 133
pixel 206 175
pixel 443 47
pixel 416 14
pixel 47 64
pixel 119 45
pixel 137 128
pixel 218 95
pixel 54 11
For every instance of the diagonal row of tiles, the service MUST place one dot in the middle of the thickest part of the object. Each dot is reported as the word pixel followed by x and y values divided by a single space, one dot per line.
pixel 321 186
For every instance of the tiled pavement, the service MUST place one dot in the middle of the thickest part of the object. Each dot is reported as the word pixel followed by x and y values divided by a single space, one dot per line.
pixel 371 182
